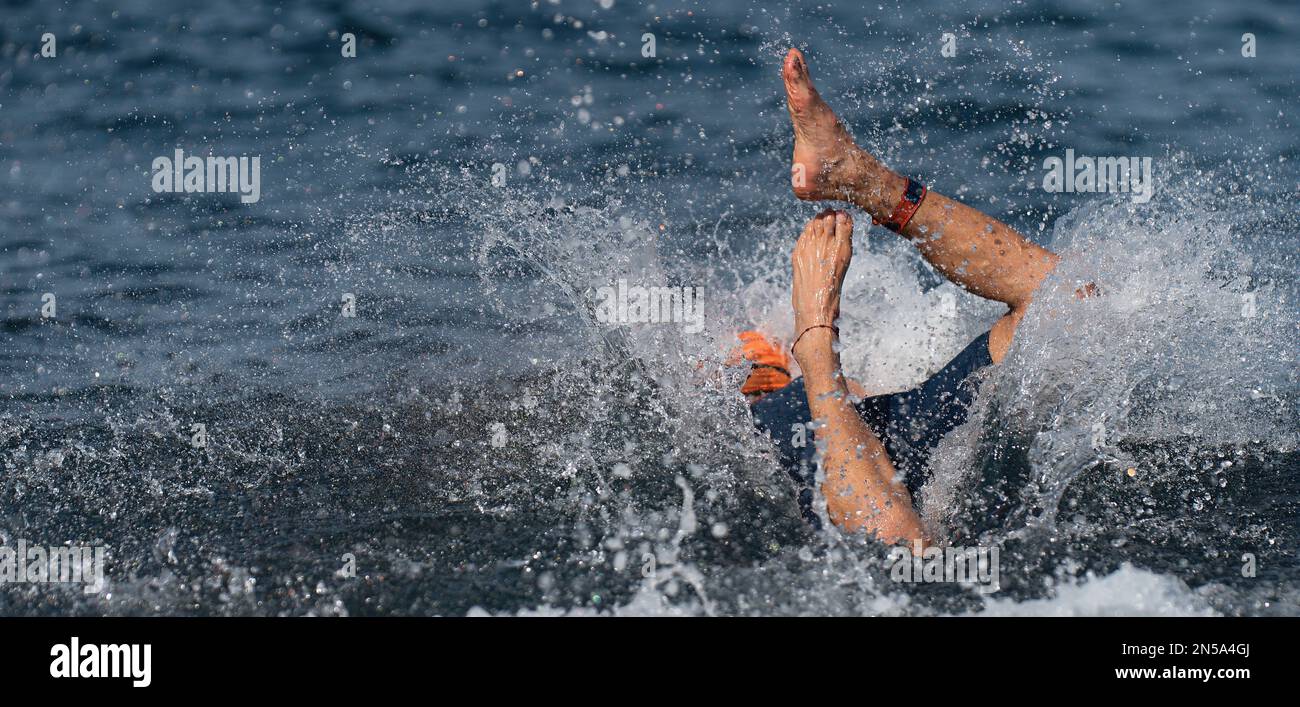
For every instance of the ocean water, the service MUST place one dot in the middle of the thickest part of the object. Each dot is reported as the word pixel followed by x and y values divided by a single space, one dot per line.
pixel 475 441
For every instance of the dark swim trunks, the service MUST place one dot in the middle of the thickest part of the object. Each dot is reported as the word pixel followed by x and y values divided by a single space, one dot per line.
pixel 909 424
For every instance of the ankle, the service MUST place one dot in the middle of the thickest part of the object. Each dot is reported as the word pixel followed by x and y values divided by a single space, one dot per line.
pixel 875 187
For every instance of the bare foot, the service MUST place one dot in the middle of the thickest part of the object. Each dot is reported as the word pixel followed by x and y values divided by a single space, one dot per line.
pixel 820 259
pixel 826 160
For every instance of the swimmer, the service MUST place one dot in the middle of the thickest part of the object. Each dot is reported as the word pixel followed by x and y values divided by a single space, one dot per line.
pixel 875 452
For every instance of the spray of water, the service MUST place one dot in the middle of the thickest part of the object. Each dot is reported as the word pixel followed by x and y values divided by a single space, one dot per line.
pixel 1152 394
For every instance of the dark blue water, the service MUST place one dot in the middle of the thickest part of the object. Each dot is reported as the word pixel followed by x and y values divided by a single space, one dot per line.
pixel 373 435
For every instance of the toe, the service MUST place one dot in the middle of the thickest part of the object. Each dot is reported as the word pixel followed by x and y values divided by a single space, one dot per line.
pixel 826 223
pixel 843 224
pixel 794 69
pixel 798 86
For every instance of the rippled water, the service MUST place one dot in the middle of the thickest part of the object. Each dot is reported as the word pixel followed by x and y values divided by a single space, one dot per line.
pixel 475 441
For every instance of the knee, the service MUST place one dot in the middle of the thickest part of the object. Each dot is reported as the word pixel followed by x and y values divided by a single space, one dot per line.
pixel 1004 331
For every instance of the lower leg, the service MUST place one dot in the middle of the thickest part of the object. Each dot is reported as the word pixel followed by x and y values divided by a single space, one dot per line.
pixel 970 248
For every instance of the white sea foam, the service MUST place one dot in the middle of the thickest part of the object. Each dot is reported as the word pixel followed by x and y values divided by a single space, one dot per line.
pixel 1128 591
